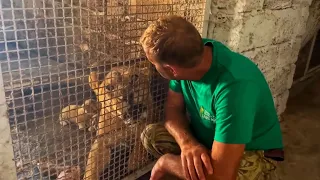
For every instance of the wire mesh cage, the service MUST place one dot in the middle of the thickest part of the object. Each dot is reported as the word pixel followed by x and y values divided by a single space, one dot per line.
pixel 77 84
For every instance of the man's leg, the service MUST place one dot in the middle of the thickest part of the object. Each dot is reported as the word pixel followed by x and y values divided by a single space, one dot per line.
pixel 254 166
pixel 158 142
pixel 168 164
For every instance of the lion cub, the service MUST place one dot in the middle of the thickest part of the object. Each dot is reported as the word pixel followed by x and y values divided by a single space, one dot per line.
pixel 84 115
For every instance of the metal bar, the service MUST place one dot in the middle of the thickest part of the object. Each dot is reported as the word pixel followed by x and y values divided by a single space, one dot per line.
pixel 140 172
pixel 310 53
pixel 48 50
pixel 207 10
pixel 312 69
pixel 310 74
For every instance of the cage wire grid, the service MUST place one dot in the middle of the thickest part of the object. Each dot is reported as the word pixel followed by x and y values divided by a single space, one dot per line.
pixel 48 51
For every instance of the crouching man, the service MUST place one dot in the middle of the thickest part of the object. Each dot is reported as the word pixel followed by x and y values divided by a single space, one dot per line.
pixel 220 123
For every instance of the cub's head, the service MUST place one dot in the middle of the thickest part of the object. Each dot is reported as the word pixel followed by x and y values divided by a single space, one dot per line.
pixel 124 92
pixel 91 106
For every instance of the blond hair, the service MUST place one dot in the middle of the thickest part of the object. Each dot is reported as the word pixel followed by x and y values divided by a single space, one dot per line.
pixel 173 40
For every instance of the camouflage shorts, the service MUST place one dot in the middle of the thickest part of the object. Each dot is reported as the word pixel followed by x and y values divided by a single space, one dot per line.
pixel 254 166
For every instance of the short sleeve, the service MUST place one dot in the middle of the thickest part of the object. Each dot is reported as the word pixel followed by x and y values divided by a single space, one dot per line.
pixel 236 106
pixel 175 86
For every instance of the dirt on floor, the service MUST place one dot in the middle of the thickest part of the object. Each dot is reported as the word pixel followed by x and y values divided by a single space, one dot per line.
pixel 301 133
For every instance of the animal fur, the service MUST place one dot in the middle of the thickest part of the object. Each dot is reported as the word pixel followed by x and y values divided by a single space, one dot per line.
pixel 84 115
pixel 71 173
pixel 122 91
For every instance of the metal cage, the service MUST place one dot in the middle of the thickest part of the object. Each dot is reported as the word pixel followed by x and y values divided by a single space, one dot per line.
pixel 56 57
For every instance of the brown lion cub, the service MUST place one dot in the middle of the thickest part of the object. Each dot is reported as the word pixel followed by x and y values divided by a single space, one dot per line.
pixel 82 115
pixel 126 108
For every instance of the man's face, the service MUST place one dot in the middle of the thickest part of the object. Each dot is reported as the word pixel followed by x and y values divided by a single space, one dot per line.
pixel 165 72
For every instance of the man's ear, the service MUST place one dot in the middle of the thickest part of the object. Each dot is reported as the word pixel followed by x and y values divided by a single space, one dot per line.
pixel 171 69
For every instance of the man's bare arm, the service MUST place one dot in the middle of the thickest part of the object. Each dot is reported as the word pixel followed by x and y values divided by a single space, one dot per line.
pixel 194 156
pixel 226 160
pixel 176 122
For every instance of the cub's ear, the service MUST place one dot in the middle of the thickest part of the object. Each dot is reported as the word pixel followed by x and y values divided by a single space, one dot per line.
pixel 94 83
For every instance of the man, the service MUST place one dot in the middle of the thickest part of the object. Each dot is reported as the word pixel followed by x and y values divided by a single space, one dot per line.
pixel 220 123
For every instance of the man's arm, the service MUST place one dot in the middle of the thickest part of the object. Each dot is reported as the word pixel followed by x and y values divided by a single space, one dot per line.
pixel 225 157
pixel 226 160
pixel 176 122
pixel 194 156
pixel 235 106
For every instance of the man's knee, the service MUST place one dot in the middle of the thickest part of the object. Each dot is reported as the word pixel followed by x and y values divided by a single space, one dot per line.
pixel 148 135
pixel 158 141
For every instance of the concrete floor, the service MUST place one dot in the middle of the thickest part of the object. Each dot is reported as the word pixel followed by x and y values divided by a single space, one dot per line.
pixel 301 131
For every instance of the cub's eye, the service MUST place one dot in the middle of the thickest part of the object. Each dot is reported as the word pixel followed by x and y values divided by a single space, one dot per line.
pixel 109 87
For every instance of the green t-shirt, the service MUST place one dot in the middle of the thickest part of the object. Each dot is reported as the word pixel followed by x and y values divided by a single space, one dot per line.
pixel 232 103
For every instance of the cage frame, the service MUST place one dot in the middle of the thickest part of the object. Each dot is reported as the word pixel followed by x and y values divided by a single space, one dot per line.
pixel 7 155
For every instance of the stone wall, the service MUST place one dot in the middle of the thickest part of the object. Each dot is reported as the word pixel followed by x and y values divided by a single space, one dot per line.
pixel 267 31
pixel 7 165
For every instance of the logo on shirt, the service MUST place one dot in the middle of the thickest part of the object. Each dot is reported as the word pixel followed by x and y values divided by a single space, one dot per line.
pixel 204 114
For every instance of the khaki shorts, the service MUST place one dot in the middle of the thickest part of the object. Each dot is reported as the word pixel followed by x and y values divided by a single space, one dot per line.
pixel 254 166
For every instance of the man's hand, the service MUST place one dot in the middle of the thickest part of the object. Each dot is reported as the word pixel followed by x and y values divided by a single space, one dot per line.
pixel 196 161
pixel 195 158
